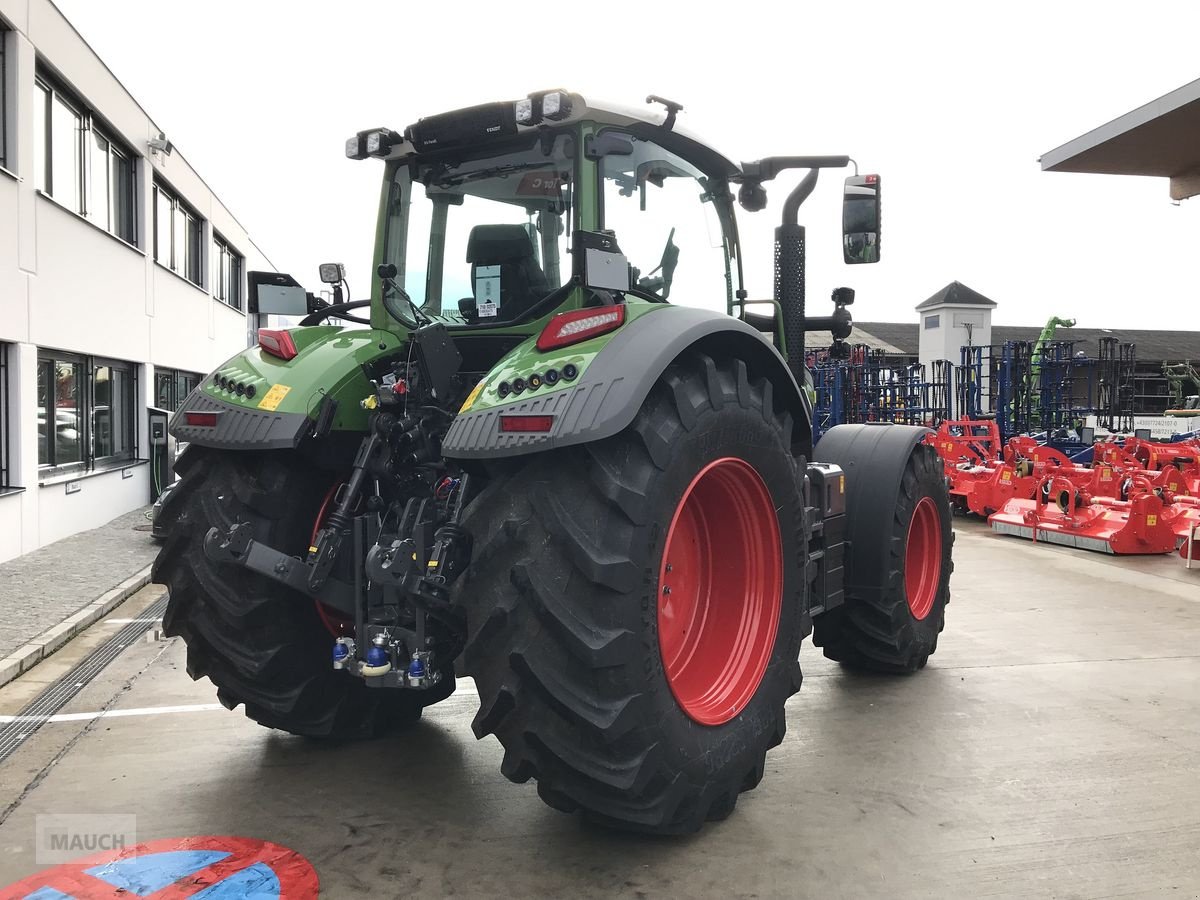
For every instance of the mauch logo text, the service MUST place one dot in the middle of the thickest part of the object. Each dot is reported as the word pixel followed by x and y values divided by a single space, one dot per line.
pixel 62 838
pixel 67 841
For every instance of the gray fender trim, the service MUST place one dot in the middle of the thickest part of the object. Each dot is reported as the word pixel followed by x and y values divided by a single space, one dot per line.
pixel 873 457
pixel 239 428
pixel 614 387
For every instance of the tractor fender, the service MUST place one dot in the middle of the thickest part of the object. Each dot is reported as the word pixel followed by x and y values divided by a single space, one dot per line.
pixel 874 457
pixel 614 386
pixel 278 400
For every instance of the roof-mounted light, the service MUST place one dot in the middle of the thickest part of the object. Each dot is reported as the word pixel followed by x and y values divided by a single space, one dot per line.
pixel 552 105
pixel 556 105
pixel 373 142
pixel 525 112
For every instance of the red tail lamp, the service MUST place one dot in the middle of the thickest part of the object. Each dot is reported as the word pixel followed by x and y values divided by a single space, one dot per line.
pixel 579 325
pixel 535 424
pixel 277 342
pixel 200 419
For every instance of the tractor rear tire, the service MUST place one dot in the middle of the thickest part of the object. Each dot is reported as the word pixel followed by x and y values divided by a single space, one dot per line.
pixel 892 616
pixel 262 644
pixel 647 708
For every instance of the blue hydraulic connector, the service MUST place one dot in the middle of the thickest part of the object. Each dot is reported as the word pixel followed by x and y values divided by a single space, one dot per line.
pixel 416 670
pixel 377 655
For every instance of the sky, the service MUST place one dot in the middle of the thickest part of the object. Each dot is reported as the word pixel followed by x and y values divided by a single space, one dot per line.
pixel 951 103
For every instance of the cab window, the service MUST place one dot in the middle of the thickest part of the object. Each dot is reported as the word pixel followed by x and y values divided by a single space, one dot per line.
pixel 658 206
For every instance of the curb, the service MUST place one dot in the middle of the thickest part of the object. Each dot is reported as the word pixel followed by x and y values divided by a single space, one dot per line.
pixel 26 657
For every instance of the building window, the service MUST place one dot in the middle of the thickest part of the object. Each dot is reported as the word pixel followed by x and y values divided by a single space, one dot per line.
pixel 932 322
pixel 171 387
pixel 87 411
pixel 6 424
pixel 177 230
pixel 79 163
pixel 227 265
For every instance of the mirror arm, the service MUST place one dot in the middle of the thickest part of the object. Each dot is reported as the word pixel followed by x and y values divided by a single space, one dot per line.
pixel 791 206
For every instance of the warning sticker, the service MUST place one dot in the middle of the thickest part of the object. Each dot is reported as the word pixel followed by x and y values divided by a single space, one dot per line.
pixel 1152 520
pixel 1106 474
pixel 471 398
pixel 1006 475
pixel 487 290
pixel 272 398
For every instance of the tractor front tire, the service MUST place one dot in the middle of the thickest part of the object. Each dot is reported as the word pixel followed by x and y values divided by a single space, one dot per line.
pixel 262 644
pixel 635 606
pixel 900 538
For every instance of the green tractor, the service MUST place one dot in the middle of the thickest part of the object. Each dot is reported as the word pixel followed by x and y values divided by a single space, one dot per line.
pixel 527 459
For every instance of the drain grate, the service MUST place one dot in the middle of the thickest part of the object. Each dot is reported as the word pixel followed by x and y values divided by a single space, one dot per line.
pixel 59 693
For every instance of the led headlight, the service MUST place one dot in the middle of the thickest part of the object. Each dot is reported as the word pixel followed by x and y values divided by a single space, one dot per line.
pixel 332 273
pixel 556 105
pixel 524 111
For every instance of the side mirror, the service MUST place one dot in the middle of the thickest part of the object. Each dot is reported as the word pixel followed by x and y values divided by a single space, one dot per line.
pixel 274 293
pixel 861 219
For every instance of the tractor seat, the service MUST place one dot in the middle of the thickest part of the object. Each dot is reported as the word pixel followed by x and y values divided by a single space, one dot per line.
pixel 522 281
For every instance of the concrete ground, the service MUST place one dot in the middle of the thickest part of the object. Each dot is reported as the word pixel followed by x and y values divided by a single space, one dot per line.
pixel 1050 749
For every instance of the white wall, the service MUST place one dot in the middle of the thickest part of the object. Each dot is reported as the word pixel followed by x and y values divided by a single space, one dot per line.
pixel 68 285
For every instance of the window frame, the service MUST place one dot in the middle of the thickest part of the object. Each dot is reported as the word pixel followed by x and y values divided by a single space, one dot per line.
pixel 89 460
pixel 192 262
pixel 177 377
pixel 713 193
pixel 7 421
pixel 3 111
pixel 226 282
pixel 120 213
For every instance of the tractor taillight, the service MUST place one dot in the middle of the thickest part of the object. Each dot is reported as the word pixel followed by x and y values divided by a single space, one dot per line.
pixel 535 424
pixel 579 325
pixel 200 419
pixel 277 342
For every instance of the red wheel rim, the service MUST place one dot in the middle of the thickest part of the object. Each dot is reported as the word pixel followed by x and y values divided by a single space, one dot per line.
pixel 923 558
pixel 720 588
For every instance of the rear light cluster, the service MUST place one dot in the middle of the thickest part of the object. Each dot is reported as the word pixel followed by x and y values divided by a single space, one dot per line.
pixel 277 342
pixel 200 419
pixel 536 424
pixel 550 377
pixel 579 325
pixel 235 387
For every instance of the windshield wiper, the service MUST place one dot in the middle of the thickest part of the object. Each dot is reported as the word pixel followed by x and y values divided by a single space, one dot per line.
pixel 448 180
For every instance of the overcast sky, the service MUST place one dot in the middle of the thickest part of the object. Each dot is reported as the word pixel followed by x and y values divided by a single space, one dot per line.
pixel 952 103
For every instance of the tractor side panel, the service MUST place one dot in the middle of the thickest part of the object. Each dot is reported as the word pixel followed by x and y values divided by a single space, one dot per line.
pixel 279 399
pixel 616 373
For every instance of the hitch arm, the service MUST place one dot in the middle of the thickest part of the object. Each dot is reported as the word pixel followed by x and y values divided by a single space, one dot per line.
pixel 238 547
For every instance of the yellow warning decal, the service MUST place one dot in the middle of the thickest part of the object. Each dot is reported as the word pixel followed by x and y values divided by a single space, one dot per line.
pixel 1151 520
pixel 471 398
pixel 1172 487
pixel 312 549
pixel 1106 474
pixel 272 398
pixel 433 564
pixel 842 485
pixel 1006 475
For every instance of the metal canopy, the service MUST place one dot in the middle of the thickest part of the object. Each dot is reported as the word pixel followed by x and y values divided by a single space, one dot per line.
pixel 1161 138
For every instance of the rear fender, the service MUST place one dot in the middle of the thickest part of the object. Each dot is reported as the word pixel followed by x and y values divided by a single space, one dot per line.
pixel 279 399
pixel 615 382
